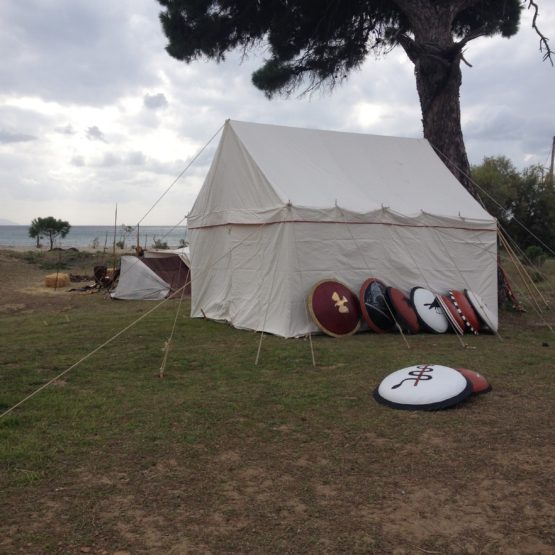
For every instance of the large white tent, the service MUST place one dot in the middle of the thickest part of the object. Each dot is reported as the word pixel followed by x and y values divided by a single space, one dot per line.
pixel 282 208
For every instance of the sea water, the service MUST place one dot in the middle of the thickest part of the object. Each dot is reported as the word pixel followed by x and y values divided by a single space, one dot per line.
pixel 96 236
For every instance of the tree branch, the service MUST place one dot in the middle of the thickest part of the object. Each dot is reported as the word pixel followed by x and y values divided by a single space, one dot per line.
pixel 465 61
pixel 409 46
pixel 544 41
pixel 481 32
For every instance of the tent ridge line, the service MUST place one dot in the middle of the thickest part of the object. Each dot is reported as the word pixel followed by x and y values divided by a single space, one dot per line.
pixel 343 223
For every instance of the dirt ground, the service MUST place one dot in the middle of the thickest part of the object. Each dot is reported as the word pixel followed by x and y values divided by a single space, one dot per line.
pixel 488 490
pixel 22 287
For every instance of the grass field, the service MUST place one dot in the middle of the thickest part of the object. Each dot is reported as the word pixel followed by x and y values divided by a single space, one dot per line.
pixel 222 456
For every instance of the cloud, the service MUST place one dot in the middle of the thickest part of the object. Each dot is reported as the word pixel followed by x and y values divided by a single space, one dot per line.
pixel 135 158
pixel 78 51
pixel 94 134
pixel 111 159
pixel 73 62
pixel 154 101
pixel 15 137
pixel 66 130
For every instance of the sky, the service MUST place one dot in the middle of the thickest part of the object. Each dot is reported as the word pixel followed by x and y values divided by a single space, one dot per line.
pixel 94 113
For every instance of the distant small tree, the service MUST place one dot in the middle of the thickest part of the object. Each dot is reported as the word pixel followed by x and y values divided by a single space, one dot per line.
pixel 126 230
pixel 35 232
pixel 48 227
pixel 159 244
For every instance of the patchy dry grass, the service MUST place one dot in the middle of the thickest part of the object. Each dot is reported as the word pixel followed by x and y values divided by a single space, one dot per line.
pixel 222 456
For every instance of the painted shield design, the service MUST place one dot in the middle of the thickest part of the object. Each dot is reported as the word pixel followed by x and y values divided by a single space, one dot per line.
pixel 334 308
pixel 423 387
pixel 374 306
pixel 465 310
pixel 429 310
pixel 454 318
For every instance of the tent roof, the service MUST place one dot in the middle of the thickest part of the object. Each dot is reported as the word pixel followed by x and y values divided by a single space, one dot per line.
pixel 263 167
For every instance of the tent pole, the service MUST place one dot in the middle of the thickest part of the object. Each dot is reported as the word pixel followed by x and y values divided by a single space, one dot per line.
pixel 259 348
pixel 392 313
pixel 114 243
pixel 311 349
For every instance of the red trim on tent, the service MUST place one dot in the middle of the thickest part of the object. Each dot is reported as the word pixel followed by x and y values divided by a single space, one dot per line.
pixel 344 222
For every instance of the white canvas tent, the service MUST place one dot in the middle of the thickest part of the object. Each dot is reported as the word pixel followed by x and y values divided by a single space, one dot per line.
pixel 282 208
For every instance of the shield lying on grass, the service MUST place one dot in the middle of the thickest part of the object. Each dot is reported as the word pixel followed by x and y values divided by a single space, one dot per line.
pixel 423 387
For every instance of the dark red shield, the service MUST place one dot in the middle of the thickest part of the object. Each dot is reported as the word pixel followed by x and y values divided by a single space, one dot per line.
pixel 334 308
pixel 404 312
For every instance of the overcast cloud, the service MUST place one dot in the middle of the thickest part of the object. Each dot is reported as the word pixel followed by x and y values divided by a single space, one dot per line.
pixel 93 112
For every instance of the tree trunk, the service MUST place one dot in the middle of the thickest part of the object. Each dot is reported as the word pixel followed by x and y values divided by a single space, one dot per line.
pixel 438 83
pixel 437 60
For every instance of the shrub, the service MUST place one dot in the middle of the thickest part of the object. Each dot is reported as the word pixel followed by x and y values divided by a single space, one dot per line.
pixel 159 244
pixel 535 255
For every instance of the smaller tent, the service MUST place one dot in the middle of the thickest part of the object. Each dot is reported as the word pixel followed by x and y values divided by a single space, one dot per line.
pixel 152 278
pixel 182 252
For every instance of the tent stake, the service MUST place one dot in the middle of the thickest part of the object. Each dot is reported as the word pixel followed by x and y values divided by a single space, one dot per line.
pixel 311 349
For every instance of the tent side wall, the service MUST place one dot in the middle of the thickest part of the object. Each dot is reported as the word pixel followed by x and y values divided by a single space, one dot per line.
pixel 210 272
pixel 173 271
pixel 261 276
pixel 243 274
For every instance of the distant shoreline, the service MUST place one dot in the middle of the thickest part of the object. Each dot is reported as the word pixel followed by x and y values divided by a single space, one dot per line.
pixel 24 248
pixel 95 238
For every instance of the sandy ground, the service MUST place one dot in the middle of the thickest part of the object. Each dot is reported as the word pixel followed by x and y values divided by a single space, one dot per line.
pixel 22 285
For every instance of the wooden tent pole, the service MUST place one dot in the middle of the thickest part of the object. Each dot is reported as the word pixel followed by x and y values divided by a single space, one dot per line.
pixel 114 242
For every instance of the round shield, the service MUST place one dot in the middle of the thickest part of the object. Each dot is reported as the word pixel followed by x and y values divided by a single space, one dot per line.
pixel 403 310
pixel 423 387
pixel 334 308
pixel 465 310
pixel 485 315
pixel 479 383
pixel 428 308
pixel 374 307
pixel 454 318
